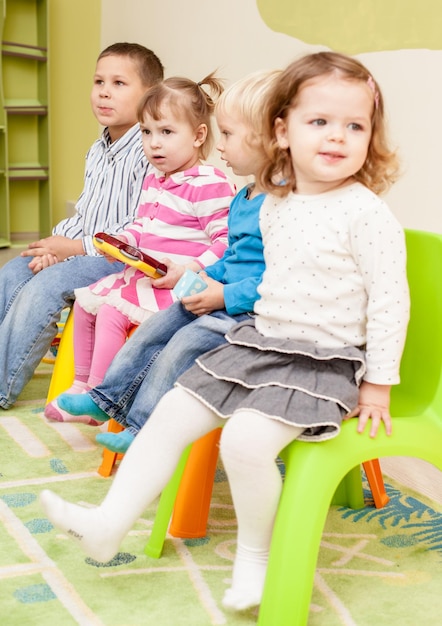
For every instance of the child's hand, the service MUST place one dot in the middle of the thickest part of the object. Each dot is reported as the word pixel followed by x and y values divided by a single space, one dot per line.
pixel 211 299
pixel 56 246
pixel 374 404
pixel 174 273
pixel 39 263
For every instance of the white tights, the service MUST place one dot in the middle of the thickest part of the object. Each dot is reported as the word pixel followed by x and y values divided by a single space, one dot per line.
pixel 250 444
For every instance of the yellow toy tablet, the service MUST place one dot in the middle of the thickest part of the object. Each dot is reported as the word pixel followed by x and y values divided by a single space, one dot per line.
pixel 130 255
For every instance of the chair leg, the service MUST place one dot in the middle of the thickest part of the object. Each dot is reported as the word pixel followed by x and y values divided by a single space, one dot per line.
pixel 192 503
pixel 63 371
pixel 373 472
pixel 109 458
pixel 349 491
pixel 154 546
pixel 185 491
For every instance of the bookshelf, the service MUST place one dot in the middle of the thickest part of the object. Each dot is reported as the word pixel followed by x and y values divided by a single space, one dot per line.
pixel 24 127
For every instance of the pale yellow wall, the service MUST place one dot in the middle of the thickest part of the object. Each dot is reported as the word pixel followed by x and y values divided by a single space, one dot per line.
pixel 74 44
pixel 196 36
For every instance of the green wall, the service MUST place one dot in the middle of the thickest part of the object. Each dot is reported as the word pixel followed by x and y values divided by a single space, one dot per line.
pixel 74 44
pixel 355 26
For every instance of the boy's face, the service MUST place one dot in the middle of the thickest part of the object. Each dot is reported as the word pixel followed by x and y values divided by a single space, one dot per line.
pixel 115 94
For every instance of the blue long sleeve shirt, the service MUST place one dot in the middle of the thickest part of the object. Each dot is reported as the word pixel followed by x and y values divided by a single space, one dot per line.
pixel 241 267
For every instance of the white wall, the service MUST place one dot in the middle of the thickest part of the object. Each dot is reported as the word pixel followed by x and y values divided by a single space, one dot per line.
pixel 193 38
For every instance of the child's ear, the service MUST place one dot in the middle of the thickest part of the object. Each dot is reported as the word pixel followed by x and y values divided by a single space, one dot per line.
pixel 281 135
pixel 200 135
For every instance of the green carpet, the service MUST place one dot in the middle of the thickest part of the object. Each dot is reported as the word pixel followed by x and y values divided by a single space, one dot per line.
pixel 375 566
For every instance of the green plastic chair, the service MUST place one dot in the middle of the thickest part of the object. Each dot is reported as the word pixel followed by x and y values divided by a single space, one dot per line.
pixel 313 471
pixel 184 505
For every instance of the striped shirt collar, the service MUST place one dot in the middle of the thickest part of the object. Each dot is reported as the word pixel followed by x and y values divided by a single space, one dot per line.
pixel 117 149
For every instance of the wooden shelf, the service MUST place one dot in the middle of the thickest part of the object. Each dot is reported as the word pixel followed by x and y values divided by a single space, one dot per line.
pixel 25 107
pixel 28 172
pixel 24 128
pixel 10 48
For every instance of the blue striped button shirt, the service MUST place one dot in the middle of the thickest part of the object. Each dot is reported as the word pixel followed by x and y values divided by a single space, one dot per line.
pixel 113 179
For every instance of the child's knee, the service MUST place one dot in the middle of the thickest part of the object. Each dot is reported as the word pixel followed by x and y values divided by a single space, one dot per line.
pixel 235 443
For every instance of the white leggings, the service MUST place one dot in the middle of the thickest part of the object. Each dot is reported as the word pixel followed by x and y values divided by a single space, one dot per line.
pixel 250 444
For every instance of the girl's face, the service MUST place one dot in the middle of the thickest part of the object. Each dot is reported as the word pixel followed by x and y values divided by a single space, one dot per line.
pixel 234 145
pixel 171 144
pixel 115 94
pixel 328 132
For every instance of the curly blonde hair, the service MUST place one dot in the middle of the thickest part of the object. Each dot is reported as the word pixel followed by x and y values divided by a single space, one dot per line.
pixel 380 169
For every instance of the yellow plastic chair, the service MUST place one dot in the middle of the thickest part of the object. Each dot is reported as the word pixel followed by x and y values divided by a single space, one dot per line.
pixel 314 470
pixel 63 371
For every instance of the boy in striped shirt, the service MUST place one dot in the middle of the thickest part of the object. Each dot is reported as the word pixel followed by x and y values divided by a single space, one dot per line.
pixel 36 286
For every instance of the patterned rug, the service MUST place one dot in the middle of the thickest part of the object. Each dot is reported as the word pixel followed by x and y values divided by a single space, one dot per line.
pixel 375 566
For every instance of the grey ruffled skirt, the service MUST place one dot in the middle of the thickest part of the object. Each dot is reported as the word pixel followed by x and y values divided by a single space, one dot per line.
pixel 291 381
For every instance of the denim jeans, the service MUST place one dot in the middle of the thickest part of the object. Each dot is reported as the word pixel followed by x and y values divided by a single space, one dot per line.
pixel 150 362
pixel 30 307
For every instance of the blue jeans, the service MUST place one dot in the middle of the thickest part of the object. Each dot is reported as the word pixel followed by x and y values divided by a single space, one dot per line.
pixel 30 307
pixel 150 362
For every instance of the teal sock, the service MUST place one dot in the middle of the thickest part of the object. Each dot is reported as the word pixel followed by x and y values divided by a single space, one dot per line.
pixel 117 442
pixel 81 404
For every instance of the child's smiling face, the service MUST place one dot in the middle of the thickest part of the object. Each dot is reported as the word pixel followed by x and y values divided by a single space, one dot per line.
pixel 328 132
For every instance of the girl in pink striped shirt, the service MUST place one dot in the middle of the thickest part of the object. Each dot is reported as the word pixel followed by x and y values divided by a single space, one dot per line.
pixel 181 220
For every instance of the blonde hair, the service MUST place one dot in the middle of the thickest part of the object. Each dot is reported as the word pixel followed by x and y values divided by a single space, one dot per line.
pixel 380 168
pixel 246 99
pixel 184 97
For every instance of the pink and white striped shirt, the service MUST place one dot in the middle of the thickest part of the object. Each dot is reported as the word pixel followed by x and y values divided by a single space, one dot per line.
pixel 182 217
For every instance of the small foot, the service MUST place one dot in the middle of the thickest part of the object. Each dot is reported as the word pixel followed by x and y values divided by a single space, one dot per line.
pixel 54 413
pixel 81 404
pixel 117 442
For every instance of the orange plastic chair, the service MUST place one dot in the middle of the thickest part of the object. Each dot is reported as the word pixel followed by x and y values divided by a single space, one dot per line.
pixel 110 458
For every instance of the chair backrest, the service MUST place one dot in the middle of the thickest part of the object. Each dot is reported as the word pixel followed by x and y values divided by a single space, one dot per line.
pixel 421 364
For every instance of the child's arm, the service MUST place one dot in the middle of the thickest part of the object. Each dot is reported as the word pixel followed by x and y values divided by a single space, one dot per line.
pixel 374 404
